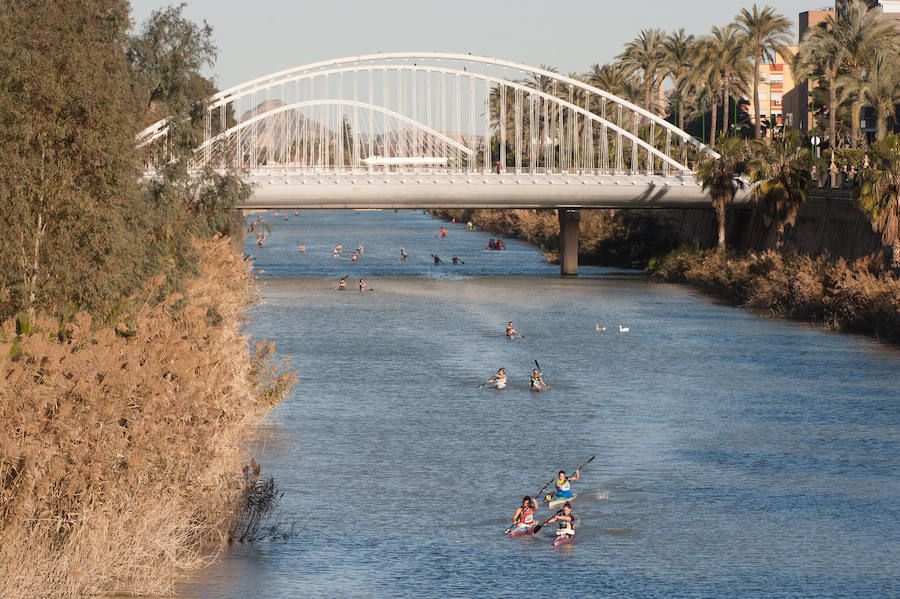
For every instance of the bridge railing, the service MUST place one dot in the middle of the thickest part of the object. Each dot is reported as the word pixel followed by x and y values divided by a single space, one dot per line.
pixel 417 112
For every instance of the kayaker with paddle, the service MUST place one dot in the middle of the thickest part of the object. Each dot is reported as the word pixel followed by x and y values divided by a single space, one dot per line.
pixel 342 284
pixel 524 516
pixel 566 520
pixel 499 380
pixel 511 331
pixel 537 381
pixel 564 486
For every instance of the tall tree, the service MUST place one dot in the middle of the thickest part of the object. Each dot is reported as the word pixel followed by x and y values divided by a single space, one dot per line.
pixel 645 54
pixel 721 177
pixel 863 33
pixel 781 174
pixel 881 88
pixel 823 53
pixel 680 56
pixel 68 204
pixel 767 34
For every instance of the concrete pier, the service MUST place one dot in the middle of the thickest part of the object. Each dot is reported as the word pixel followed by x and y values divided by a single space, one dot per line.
pixel 569 223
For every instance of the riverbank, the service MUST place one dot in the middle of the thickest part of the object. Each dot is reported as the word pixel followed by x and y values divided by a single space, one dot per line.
pixel 625 238
pixel 122 451
pixel 855 297
pixel 852 296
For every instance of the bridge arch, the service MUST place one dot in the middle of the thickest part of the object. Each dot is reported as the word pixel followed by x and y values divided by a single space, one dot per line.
pixel 497 113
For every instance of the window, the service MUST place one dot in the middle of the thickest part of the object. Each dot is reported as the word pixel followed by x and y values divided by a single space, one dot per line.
pixel 777 78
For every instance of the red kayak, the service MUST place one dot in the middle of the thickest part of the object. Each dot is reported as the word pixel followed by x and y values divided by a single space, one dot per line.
pixel 520 530
pixel 563 539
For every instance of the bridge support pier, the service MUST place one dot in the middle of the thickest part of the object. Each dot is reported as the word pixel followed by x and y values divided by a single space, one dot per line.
pixel 569 224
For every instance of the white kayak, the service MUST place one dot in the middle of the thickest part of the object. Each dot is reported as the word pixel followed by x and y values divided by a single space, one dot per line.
pixel 560 501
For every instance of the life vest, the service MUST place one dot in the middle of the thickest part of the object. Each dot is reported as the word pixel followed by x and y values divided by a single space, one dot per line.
pixel 563 486
pixel 564 524
pixel 527 516
pixel 362 286
pixel 501 382
pixel 342 285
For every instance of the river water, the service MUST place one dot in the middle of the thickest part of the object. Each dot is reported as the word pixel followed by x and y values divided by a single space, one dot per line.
pixel 735 456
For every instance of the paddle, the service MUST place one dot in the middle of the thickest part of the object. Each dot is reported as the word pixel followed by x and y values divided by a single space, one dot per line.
pixel 591 459
pixel 536 496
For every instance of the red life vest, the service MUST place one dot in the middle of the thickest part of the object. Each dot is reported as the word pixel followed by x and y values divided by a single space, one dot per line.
pixel 527 516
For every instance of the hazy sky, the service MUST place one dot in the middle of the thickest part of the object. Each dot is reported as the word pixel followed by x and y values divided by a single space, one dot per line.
pixel 262 36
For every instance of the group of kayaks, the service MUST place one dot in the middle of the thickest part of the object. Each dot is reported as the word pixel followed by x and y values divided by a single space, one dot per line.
pixel 524 521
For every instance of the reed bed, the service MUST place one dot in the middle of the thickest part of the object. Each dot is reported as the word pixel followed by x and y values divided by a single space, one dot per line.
pixel 121 450
pixel 859 297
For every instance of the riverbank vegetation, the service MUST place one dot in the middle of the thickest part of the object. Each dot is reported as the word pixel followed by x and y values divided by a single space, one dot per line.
pixel 858 297
pixel 126 385
pixel 625 238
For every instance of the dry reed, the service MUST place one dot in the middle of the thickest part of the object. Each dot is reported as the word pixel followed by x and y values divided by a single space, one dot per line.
pixel 858 296
pixel 121 451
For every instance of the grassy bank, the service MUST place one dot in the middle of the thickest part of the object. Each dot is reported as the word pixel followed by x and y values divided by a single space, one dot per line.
pixel 629 238
pixel 120 455
pixel 858 297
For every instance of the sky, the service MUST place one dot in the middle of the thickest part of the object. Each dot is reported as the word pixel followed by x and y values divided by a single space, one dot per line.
pixel 263 36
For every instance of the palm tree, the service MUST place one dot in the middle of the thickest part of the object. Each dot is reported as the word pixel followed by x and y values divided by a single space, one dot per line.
pixel 726 52
pixel 823 53
pixel 678 61
pixel 704 80
pixel 881 88
pixel 862 33
pixel 722 178
pixel 880 192
pixel 645 54
pixel 767 33
pixel 781 174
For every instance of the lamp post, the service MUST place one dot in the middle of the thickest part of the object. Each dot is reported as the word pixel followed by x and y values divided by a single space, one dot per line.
pixel 812 99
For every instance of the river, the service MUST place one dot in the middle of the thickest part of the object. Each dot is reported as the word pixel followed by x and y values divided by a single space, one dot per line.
pixel 736 456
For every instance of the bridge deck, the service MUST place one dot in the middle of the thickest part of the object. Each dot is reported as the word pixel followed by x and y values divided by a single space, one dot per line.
pixel 292 190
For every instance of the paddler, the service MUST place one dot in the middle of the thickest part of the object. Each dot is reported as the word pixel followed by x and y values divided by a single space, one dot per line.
pixel 537 381
pixel 511 331
pixel 499 379
pixel 342 284
pixel 563 486
pixel 362 285
pixel 525 513
pixel 566 520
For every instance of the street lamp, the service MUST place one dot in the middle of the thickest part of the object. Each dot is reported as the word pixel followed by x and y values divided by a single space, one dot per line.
pixel 812 98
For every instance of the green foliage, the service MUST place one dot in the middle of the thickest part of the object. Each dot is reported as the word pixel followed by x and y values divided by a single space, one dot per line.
pixel 80 231
pixel 721 177
pixel 880 192
pixel 781 173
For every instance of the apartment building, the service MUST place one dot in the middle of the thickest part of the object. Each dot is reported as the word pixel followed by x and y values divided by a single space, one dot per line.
pixel 777 93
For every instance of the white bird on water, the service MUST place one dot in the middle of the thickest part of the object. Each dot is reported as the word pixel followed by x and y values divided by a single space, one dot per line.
pixel 598 327
pixel 624 329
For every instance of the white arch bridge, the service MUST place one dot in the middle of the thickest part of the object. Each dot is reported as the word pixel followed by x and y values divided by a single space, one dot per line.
pixel 427 130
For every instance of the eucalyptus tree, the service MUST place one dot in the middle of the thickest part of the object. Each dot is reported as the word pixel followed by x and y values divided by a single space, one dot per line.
pixel 780 172
pixel 721 177
pixel 680 56
pixel 645 54
pixel 767 34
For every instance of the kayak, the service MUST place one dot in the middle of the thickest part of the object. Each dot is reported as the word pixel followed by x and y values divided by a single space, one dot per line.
pixel 559 501
pixel 563 539
pixel 521 529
